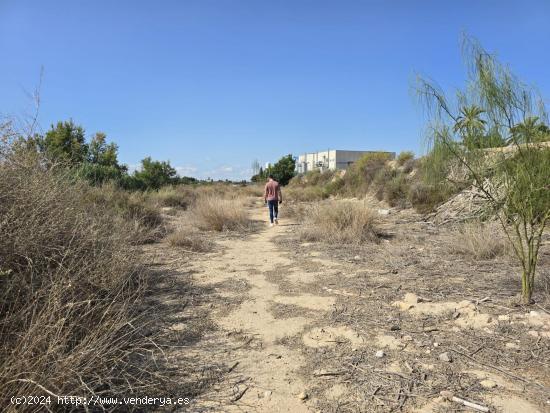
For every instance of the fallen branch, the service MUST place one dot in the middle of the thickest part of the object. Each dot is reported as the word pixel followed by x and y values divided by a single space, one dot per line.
pixel 449 396
pixel 502 371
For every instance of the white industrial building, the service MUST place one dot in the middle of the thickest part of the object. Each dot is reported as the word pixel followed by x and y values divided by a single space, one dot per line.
pixel 331 159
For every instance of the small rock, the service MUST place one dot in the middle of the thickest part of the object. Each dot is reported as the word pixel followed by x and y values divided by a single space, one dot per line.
pixel 445 357
pixel 383 212
pixel 504 317
pixel 380 354
pixel 407 338
pixel 488 384
pixel 533 333
pixel 436 344
pixel 447 395
pixel 395 328
pixel 267 394
pixel 303 395
pixel 357 257
pixel 513 346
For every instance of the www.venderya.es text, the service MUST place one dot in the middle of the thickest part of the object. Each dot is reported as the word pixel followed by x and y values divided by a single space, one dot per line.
pixel 101 401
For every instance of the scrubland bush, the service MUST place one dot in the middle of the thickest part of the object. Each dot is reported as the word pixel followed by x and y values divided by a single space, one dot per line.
pixel 178 196
pixel 480 240
pixel 189 240
pixel 409 165
pixel 71 285
pixel 425 197
pixel 214 213
pixel 404 157
pixel 396 191
pixel 136 207
pixel 254 190
pixel 339 222
pixel 306 194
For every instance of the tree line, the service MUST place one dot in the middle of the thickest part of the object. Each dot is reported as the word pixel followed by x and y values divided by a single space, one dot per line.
pixel 97 161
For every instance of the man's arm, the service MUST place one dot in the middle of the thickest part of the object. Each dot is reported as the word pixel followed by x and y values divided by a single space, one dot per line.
pixel 265 193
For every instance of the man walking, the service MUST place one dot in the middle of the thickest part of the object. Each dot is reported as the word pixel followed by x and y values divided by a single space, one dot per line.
pixel 273 197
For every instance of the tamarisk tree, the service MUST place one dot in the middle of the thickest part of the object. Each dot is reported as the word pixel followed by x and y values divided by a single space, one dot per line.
pixel 494 109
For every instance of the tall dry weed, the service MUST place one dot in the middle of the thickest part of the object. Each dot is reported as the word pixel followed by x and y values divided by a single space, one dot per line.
pixel 339 222
pixel 70 291
pixel 479 240
pixel 214 213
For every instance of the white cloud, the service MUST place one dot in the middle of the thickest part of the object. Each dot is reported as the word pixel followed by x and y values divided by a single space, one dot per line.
pixel 236 173
pixel 188 170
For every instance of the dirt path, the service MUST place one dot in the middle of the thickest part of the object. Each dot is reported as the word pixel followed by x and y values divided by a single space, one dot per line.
pixel 298 326
pixel 269 369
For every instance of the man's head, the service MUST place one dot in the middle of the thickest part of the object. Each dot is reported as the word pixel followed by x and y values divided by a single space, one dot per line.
pixel 270 177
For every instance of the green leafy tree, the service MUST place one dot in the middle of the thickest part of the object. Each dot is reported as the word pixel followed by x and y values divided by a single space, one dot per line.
pixel 284 170
pixel 101 153
pixel 101 164
pixel 514 182
pixel 154 174
pixel 66 142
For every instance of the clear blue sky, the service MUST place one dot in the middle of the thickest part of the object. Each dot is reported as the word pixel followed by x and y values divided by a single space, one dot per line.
pixel 212 85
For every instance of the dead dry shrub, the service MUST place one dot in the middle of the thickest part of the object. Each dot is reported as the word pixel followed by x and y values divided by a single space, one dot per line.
pixel 214 213
pixel 296 210
pixel 339 222
pixel 189 240
pixel 70 291
pixel 251 190
pixel 135 207
pixel 426 197
pixel 404 157
pixel 180 196
pixel 479 240
pixel 305 194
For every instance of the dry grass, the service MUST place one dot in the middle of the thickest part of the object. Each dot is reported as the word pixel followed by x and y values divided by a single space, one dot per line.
pixel 135 207
pixel 173 196
pixel 214 213
pixel 71 285
pixel 339 222
pixel 189 240
pixel 480 240
pixel 305 194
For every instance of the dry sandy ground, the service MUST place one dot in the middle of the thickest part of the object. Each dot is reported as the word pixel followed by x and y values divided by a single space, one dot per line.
pixel 297 326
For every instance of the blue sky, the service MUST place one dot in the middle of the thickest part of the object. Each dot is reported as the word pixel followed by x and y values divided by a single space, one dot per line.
pixel 212 85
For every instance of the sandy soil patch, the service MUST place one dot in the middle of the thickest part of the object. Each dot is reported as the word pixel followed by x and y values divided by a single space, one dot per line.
pixel 330 336
pixel 465 312
pixel 312 302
